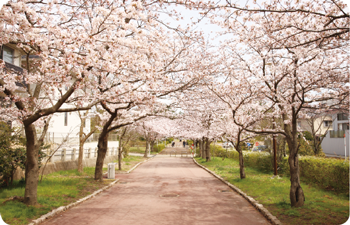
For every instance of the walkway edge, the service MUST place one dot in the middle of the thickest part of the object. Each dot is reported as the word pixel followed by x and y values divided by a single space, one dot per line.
pixel 255 203
pixel 64 208
pixel 129 171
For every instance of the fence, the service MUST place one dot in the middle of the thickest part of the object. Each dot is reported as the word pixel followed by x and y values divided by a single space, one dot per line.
pixel 58 138
pixel 72 154
pixel 94 137
pixel 337 133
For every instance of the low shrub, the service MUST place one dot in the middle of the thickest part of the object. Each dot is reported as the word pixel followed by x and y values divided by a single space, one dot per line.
pixel 332 174
pixel 260 160
pixel 218 151
pixel 158 148
pixel 328 173
pixel 169 140
pixel 305 148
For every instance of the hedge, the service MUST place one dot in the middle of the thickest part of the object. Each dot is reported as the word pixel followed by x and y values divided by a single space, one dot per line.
pixel 158 148
pixel 328 173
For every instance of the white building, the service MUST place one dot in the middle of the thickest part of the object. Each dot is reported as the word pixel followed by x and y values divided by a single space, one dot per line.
pixel 336 141
pixel 61 124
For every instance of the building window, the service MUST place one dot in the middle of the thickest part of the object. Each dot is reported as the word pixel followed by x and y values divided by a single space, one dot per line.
pixel 327 123
pixel 343 126
pixel 7 54
pixel 65 119
pixel 342 116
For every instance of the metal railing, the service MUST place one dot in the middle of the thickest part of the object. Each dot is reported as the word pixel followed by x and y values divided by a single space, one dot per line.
pixel 71 154
pixel 56 137
pixel 336 133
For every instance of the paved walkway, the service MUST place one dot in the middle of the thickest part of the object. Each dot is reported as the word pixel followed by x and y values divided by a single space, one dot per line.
pixel 164 191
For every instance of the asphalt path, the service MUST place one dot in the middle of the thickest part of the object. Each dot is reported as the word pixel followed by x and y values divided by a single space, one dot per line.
pixel 165 190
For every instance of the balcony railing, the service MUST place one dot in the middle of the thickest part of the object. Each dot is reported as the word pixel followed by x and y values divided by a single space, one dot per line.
pixel 17 70
pixel 337 133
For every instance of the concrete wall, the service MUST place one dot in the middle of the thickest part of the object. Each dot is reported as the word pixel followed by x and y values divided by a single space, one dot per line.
pixel 335 146
pixel 68 165
pixel 60 131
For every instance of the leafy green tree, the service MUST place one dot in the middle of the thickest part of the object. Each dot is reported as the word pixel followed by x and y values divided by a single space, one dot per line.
pixel 12 155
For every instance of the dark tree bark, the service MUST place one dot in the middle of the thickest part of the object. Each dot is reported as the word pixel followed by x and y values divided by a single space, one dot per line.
pixel 240 153
pixel 241 164
pixel 80 158
pixel 296 193
pixel 101 154
pixel 32 167
pixel 202 146
pixel 102 146
pixel 207 149
pixel 120 156
pixel 297 197
pixel 147 148
pixel 120 149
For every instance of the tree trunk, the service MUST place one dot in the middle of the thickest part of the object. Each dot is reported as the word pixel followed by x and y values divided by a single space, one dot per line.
pixel 296 193
pixel 241 164
pixel 297 197
pixel 80 157
pixel 81 143
pixel 152 143
pixel 281 147
pixel 147 147
pixel 32 167
pixel 101 153
pixel 202 146
pixel 199 148
pixel 120 156
pixel 207 149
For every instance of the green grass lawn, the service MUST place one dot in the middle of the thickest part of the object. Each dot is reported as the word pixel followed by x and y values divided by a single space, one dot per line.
pixel 128 163
pixel 140 150
pixel 56 189
pixel 321 206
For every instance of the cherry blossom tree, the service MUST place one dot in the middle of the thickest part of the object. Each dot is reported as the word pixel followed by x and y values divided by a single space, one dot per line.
pixel 284 73
pixel 59 36
pixel 80 49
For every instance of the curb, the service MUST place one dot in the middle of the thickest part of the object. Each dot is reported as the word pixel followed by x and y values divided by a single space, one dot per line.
pixel 146 160
pixel 64 208
pixel 252 201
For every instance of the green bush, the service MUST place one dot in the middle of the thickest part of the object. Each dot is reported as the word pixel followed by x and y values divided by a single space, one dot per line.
pixel 158 148
pixel 190 142
pixel 169 140
pixel 305 148
pixel 11 157
pixel 307 135
pixel 13 154
pixel 217 150
pixel 328 173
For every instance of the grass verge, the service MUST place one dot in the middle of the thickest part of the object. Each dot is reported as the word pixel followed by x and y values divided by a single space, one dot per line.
pixel 57 189
pixel 321 206
pixel 127 163
pixel 140 150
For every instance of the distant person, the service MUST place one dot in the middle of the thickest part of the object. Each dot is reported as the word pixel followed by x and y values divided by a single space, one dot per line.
pixel 172 144
pixel 184 143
